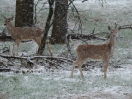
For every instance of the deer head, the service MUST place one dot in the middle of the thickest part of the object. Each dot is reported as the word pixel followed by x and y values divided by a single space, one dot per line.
pixel 7 20
pixel 113 32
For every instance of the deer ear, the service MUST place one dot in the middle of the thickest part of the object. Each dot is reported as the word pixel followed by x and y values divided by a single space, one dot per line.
pixel 109 28
pixel 3 16
pixel 12 18
pixel 119 27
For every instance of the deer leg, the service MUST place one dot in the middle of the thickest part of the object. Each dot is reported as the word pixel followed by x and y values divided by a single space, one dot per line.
pixel 37 40
pixel 17 42
pixel 73 67
pixel 47 43
pixel 105 66
pixel 80 69
pixel 18 48
pixel 13 49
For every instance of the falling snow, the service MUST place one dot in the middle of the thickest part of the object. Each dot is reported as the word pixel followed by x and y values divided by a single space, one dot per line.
pixel 57 84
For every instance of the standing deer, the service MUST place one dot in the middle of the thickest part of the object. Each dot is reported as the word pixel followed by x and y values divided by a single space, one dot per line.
pixel 102 51
pixel 23 34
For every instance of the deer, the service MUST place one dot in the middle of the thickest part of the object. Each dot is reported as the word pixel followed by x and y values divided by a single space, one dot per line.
pixel 102 52
pixel 20 34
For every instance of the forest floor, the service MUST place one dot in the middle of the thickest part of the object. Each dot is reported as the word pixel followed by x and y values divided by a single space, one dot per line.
pixel 39 83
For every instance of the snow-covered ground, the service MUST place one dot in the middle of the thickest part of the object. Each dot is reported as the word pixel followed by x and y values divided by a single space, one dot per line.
pixel 57 84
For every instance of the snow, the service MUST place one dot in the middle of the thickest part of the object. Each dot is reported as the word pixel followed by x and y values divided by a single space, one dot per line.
pixel 58 84
pixel 42 84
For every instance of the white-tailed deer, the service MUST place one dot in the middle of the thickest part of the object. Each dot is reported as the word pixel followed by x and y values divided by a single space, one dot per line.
pixel 23 34
pixel 102 51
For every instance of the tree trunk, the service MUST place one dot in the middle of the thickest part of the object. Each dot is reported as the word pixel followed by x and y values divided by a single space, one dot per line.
pixel 60 22
pixel 47 27
pixel 24 13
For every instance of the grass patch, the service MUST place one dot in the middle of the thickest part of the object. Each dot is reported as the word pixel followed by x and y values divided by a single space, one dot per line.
pixel 56 85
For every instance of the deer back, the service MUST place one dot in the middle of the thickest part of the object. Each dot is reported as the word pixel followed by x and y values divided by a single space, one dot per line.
pixel 26 32
pixel 86 51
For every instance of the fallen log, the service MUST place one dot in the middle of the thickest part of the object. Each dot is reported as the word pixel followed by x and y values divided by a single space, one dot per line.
pixel 31 61
pixel 84 36
pixel 5 38
pixel 5 69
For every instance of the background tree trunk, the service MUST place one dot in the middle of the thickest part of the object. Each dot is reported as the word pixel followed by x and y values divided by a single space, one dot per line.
pixel 24 13
pixel 60 22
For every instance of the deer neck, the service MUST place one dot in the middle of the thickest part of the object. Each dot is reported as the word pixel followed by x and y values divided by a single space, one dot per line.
pixel 10 28
pixel 112 44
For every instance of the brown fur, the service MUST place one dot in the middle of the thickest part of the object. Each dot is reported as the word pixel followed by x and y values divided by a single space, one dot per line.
pixel 102 52
pixel 23 34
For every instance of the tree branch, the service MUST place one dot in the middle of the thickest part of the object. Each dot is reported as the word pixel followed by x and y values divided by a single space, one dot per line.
pixel 47 27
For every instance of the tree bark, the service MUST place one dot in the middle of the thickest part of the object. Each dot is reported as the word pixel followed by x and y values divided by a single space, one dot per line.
pixel 59 30
pixel 47 27
pixel 24 13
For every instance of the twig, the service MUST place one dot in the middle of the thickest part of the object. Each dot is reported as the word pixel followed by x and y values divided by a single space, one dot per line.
pixel 126 27
pixel 79 19
pixel 31 62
